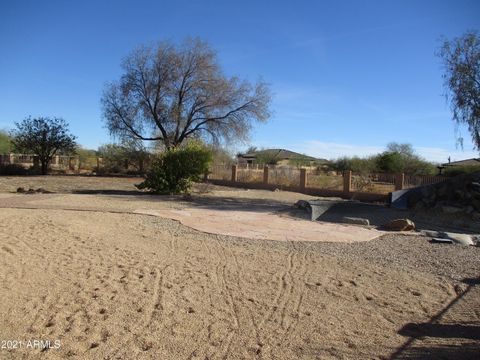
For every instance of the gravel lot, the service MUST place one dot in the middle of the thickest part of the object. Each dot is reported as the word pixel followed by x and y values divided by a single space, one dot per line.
pixel 112 283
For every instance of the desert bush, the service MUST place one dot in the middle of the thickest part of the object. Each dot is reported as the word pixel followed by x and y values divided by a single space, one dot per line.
pixel 174 170
pixel 395 162
pixel 126 157
pixel 390 162
pixel 355 164
pixel 85 154
pixel 5 142
pixel 362 182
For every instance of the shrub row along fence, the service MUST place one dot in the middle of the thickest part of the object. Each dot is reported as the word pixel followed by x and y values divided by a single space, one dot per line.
pixel 370 187
pixel 75 164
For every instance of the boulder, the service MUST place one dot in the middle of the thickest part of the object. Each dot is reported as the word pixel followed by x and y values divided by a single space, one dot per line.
pixel 462 239
pixel 456 195
pixel 355 220
pixel 399 225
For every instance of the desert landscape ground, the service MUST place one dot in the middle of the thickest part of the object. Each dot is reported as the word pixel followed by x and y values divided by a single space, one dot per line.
pixel 97 265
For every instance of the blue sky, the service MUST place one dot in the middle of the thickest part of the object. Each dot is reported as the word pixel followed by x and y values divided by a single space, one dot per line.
pixel 347 76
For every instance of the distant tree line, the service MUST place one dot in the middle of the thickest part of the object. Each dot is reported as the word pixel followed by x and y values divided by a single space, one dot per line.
pixel 396 158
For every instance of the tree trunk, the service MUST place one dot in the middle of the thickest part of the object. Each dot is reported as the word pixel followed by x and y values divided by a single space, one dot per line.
pixel 44 169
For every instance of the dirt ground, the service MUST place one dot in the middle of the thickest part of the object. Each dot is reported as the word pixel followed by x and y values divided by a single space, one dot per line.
pixel 109 283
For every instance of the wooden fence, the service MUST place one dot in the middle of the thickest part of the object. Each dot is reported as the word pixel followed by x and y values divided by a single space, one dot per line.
pixel 59 162
pixel 76 164
pixel 312 181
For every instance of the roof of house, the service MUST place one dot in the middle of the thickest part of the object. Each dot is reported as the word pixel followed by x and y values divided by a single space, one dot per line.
pixel 280 154
pixel 466 162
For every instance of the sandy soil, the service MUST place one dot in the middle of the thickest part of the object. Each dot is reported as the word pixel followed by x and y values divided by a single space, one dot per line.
pixel 114 285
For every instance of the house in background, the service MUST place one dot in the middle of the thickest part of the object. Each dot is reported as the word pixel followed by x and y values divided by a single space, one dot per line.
pixel 466 162
pixel 279 157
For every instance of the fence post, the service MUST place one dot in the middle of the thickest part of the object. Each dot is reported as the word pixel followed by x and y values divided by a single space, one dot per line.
pixel 11 159
pixel 265 174
pixel 303 179
pixel 71 163
pixel 98 163
pixel 347 182
pixel 399 181
pixel 234 173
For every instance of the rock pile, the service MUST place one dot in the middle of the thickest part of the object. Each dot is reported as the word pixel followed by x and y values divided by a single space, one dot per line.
pixel 460 194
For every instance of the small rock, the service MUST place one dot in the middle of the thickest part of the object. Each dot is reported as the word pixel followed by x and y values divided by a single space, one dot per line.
pixel 355 220
pixel 457 238
pixel 462 239
pixel 459 288
pixel 400 225
pixel 276 190
pixel 451 209
pixel 20 190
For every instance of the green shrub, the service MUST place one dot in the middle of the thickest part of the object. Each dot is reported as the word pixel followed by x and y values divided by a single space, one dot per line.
pixel 390 162
pixel 126 157
pixel 355 164
pixel 5 142
pixel 175 170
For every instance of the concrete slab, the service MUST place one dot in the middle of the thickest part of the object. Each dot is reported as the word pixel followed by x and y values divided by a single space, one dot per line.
pixel 264 225
pixel 337 210
pixel 319 207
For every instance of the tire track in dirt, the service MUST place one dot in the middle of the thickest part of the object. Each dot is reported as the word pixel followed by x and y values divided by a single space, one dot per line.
pixel 288 300
pixel 259 342
pixel 221 271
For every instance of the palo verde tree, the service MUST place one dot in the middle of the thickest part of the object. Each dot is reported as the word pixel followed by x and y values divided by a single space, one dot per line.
pixel 44 137
pixel 461 60
pixel 170 93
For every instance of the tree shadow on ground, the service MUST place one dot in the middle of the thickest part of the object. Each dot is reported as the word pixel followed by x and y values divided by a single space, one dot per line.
pixel 433 339
pixel 205 202
pixel 377 214
pixel 110 192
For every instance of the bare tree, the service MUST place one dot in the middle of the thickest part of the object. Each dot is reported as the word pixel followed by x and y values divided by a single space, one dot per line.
pixel 171 93
pixel 461 58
